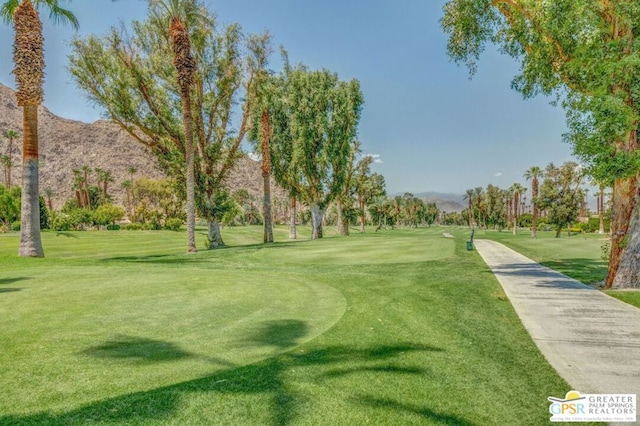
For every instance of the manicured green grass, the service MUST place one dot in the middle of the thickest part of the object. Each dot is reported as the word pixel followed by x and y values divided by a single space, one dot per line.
pixel 630 297
pixel 578 256
pixel 395 327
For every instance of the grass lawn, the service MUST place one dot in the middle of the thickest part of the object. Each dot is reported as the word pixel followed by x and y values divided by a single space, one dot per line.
pixel 578 256
pixel 395 327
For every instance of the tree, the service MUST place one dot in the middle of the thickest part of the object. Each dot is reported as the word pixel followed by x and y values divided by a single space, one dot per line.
pixel 260 132
pixel 11 135
pixel 49 194
pixel 104 178
pixel 560 194
pixel 180 13
pixel 131 75
pixel 368 187
pixel 28 59
pixel 534 173
pixel 315 118
pixel 585 51
pixel 516 190
pixel 469 194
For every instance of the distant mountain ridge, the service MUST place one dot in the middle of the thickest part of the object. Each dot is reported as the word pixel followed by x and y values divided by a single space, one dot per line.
pixel 67 144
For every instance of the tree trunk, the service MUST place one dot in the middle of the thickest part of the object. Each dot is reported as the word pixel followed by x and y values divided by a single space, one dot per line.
pixel 601 211
pixel 515 213
pixel 534 194
pixel 316 220
pixel 30 242
pixel 266 174
pixel 214 234
pixel 191 181
pixel 292 219
pixel 266 210
pixel 339 224
pixel 628 275
pixel 624 205
pixel 363 217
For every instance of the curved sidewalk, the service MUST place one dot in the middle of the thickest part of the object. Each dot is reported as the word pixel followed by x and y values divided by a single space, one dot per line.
pixel 591 339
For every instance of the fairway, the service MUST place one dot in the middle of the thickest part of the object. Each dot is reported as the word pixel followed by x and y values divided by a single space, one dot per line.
pixel 395 327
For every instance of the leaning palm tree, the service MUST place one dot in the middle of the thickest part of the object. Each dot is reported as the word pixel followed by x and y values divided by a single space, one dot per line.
pixel 180 13
pixel 11 135
pixel 28 59
pixel 534 173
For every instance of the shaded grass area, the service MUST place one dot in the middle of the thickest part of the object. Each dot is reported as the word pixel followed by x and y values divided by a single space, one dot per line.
pixel 578 256
pixel 398 327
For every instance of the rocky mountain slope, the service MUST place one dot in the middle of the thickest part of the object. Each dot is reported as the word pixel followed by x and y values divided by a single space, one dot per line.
pixel 67 144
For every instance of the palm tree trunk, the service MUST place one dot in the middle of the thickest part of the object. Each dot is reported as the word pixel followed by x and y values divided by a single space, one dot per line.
pixel 340 219
pixel 266 178
pixel 363 217
pixel 30 242
pixel 191 181
pixel 266 210
pixel 534 221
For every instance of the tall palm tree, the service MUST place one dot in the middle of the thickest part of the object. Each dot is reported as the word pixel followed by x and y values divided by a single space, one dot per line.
pixel 181 13
pixel 469 197
pixel 11 135
pixel 28 59
pixel 516 189
pixel 534 173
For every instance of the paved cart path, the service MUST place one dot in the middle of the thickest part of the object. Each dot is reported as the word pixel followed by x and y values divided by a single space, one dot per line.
pixel 591 339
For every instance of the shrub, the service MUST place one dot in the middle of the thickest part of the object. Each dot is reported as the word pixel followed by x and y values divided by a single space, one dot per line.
pixel 113 227
pixel 173 224
pixel 131 227
pixel 15 226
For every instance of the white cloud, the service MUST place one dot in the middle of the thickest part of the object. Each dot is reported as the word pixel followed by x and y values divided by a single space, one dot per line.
pixel 498 174
pixel 376 158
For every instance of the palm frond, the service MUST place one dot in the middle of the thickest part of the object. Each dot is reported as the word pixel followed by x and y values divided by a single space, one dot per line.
pixel 7 9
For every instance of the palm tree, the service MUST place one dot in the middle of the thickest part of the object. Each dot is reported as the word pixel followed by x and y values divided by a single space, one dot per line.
pixel 11 135
pixel 516 189
pixel 534 173
pixel 182 12
pixel 49 193
pixel 469 197
pixel 28 58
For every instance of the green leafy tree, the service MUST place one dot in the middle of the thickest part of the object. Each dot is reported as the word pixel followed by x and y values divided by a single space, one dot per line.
pixel 368 188
pixel 28 59
pixel 583 50
pixel 314 120
pixel 132 76
pixel 560 194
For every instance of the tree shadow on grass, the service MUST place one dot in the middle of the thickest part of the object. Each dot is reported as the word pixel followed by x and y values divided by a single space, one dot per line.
pixel 267 378
pixel 9 290
pixel 281 334
pixel 426 413
pixel 13 280
pixel 138 350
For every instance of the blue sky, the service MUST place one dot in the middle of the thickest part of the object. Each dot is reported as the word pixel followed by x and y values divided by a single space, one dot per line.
pixel 433 128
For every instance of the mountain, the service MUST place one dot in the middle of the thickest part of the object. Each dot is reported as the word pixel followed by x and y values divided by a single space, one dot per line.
pixel 67 144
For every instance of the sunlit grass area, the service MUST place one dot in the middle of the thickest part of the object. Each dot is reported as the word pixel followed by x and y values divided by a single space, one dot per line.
pixel 578 256
pixel 394 327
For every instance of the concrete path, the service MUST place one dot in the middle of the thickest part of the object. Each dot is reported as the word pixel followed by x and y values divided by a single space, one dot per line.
pixel 591 339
